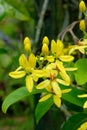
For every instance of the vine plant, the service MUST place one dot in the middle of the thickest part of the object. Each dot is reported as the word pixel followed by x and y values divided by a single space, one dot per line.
pixel 63 73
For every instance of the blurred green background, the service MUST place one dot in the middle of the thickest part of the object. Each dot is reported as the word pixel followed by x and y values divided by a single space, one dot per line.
pixel 35 19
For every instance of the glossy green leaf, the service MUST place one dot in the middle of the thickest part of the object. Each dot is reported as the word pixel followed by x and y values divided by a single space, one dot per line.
pixel 81 73
pixel 42 108
pixel 16 9
pixel 72 96
pixel 74 122
pixel 16 96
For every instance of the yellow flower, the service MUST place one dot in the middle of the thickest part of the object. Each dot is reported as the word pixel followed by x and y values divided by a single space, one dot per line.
pixel 81 48
pixel 82 25
pixel 82 6
pixel 53 72
pixel 27 66
pixel 56 99
pixel 27 44
pixel 56 96
pixel 83 126
pixel 57 50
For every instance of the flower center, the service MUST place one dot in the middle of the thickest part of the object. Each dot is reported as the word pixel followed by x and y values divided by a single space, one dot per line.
pixel 52 76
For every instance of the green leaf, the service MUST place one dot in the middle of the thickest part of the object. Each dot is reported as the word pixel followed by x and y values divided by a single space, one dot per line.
pixel 72 96
pixel 16 96
pixel 16 9
pixel 42 108
pixel 81 73
pixel 3 51
pixel 85 35
pixel 75 121
pixel 2 12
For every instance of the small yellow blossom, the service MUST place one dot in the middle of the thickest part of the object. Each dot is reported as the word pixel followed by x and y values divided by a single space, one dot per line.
pixel 45 49
pixel 45 40
pixel 51 73
pixel 56 96
pixel 27 66
pixel 83 126
pixel 82 6
pixel 81 48
pixel 82 25
pixel 27 45
pixel 57 50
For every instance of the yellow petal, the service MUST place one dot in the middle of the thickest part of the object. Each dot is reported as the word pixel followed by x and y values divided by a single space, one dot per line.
pixel 71 69
pixel 57 100
pixel 51 66
pixel 49 58
pixel 40 73
pixel 43 84
pixel 66 58
pixel 60 66
pixel 85 105
pixel 29 83
pixel 74 47
pixel 65 77
pixel 59 48
pixel 19 68
pixel 83 126
pixel 66 90
pixel 17 74
pixel 45 97
pixel 63 82
pixel 23 61
pixel 32 60
pixel 56 88
pixel 82 50
pixel 82 96
pixel 49 88
pixel 35 78
pixel 53 46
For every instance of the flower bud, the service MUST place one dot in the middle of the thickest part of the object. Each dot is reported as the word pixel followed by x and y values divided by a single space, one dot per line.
pixel 45 49
pixel 82 25
pixel 45 40
pixel 27 44
pixel 53 46
pixel 82 6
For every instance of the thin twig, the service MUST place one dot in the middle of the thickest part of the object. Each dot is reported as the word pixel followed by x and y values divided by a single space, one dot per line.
pixel 69 29
pixel 66 112
pixel 40 21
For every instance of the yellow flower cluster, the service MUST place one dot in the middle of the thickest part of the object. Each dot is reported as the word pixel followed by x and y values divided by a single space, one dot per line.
pixel 48 66
pixel 83 126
